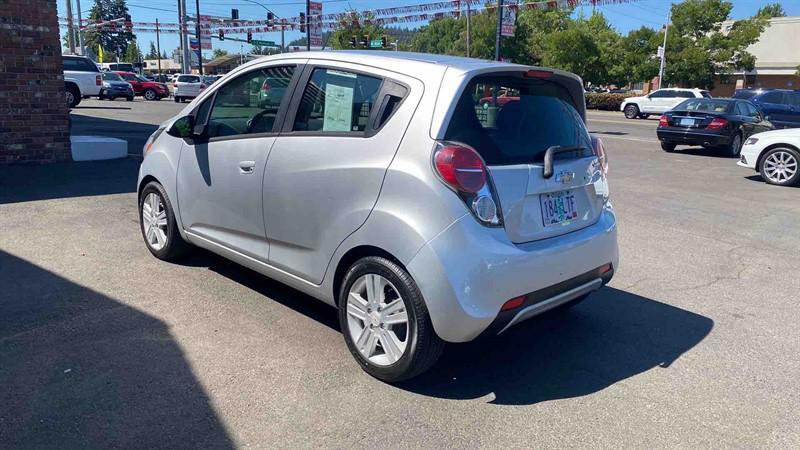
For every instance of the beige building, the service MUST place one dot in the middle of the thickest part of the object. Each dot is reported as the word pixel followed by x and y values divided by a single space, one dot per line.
pixel 777 55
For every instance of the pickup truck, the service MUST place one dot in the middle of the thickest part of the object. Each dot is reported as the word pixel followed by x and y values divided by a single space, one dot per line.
pixel 81 79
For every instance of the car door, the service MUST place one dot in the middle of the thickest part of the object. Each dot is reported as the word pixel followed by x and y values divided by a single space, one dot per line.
pixel 794 102
pixel 325 170
pixel 748 123
pixel 648 103
pixel 133 81
pixel 658 101
pixel 776 105
pixel 220 176
pixel 760 124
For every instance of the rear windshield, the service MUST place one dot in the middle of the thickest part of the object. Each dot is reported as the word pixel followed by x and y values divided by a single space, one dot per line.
pixel 704 105
pixel 189 79
pixel 509 119
pixel 744 94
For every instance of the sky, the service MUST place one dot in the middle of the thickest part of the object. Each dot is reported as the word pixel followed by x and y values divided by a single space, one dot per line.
pixel 624 17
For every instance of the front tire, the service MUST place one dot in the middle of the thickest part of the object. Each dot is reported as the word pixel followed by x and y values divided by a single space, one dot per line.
pixel 735 148
pixel 385 322
pixel 158 225
pixel 781 167
pixel 177 99
pixel 150 95
pixel 631 112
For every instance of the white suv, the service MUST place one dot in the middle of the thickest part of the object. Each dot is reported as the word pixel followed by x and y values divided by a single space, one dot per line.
pixel 658 101
pixel 187 87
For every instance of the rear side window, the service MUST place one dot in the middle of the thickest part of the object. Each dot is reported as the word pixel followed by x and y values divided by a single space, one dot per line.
pixel 772 97
pixel 80 64
pixel 685 94
pixel 794 98
pixel 188 79
pixel 337 101
pixel 509 119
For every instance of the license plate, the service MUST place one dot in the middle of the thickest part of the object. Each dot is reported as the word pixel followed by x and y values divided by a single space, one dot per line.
pixel 558 208
pixel 687 122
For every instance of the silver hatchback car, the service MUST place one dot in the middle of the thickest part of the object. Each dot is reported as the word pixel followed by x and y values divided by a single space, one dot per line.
pixel 429 198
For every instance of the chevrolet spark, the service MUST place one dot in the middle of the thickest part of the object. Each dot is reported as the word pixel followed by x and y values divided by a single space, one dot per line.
pixel 431 199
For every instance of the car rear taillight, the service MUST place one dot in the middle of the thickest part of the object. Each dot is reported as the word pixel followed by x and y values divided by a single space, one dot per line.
pixel 663 121
pixel 600 152
pixel 535 73
pixel 98 80
pixel 717 123
pixel 462 169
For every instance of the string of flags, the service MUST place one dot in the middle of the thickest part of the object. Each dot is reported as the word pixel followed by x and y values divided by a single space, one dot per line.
pixel 333 21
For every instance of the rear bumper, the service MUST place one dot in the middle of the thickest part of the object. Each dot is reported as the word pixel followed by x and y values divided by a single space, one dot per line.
pixel 685 136
pixel 468 272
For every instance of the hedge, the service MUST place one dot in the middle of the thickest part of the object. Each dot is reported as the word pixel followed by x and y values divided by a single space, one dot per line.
pixel 606 101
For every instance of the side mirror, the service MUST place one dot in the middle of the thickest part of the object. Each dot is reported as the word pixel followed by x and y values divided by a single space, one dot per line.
pixel 183 127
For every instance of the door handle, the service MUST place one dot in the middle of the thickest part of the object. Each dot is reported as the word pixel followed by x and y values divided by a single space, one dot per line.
pixel 247 167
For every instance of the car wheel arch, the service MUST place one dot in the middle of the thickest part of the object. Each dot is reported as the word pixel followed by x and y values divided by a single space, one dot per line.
pixel 350 257
pixel 145 180
pixel 766 150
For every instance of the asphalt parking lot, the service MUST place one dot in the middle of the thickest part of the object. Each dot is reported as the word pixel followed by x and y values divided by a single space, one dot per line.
pixel 693 344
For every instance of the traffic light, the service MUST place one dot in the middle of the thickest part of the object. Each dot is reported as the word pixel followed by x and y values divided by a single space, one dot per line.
pixel 221 35
pixel 365 41
pixel 128 24
pixel 234 14
pixel 302 22
pixel 384 42
pixel 353 42
pixel 249 37
pixel 270 18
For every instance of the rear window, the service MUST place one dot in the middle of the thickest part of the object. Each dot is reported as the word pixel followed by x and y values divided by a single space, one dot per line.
pixel 189 79
pixel 509 119
pixel 79 65
pixel 744 94
pixel 704 105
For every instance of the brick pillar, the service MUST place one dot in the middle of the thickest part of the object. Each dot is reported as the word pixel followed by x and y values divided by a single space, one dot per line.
pixel 34 118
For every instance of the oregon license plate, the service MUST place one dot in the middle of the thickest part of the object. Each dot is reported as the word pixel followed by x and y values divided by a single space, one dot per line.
pixel 687 122
pixel 558 208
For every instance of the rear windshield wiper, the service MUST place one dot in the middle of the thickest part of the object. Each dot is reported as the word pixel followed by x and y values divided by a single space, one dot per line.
pixel 551 152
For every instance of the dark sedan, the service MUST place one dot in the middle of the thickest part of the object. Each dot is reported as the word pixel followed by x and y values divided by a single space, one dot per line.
pixel 723 123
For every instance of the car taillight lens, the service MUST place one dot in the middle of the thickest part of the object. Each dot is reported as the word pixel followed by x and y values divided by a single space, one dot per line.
pixel 462 169
pixel 717 124
pixel 98 80
pixel 663 121
pixel 600 152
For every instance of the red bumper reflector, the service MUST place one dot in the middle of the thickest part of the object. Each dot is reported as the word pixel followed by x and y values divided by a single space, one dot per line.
pixel 605 269
pixel 515 302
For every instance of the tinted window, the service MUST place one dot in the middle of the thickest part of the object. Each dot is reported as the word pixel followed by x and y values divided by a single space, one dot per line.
pixel 704 105
pixel 249 103
pixel 109 76
pixel 705 94
pixel 514 120
pixel 128 76
pixel 337 101
pixel 664 93
pixel 751 109
pixel 79 64
pixel 745 94
pixel 772 97
pixel 685 94
pixel 189 79
pixel 794 98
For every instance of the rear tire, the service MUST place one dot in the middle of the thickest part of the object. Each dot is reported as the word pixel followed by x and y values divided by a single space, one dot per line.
pixel 781 167
pixel 177 99
pixel 631 112
pixel 668 147
pixel 158 225
pixel 363 327
pixel 73 95
pixel 735 147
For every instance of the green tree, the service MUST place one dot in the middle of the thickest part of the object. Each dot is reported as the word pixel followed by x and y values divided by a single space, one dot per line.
pixel 164 54
pixel 576 50
pixel 132 53
pixel 153 53
pixel 440 36
pixel 639 50
pixel 771 10
pixel 113 40
pixel 528 46
pixel 354 26
pixel 217 52
pixel 702 49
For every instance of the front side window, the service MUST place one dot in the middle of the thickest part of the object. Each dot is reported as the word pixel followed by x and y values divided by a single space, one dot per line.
pixel 510 119
pixel 249 103
pixel 336 101
pixel 661 94
pixel 772 97
pixel 111 76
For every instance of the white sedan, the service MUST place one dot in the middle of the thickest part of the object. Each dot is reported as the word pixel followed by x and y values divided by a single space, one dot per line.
pixel 774 154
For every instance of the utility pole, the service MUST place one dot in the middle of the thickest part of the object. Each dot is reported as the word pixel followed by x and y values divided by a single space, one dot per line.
pixel 499 30
pixel 469 31
pixel 70 28
pixel 308 28
pixel 664 52
pixel 199 41
pixel 80 33
pixel 158 50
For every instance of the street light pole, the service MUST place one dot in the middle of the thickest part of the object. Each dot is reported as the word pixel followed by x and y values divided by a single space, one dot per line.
pixel 80 33
pixel 199 41
pixel 499 30
pixel 283 23
pixel 664 52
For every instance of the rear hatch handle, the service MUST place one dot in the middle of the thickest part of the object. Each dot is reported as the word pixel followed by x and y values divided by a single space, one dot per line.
pixel 551 152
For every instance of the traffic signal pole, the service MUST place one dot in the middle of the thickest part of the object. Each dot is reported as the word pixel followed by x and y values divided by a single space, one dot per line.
pixel 308 28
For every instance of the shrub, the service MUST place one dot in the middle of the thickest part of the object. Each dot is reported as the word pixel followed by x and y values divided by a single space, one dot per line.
pixel 605 101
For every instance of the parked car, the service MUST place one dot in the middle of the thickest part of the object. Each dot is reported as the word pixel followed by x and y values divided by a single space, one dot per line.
pixel 775 155
pixel 781 105
pixel 81 79
pixel 210 79
pixel 187 87
pixel 390 194
pixel 150 90
pixel 114 86
pixel 658 101
pixel 163 78
pixel 713 123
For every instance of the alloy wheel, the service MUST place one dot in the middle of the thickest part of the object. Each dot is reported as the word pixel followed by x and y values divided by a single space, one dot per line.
pixel 377 320
pixel 70 98
pixel 149 95
pixel 736 145
pixel 154 221
pixel 780 166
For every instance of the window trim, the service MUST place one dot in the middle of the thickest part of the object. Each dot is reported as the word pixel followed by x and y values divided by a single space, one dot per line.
pixel 279 117
pixel 297 96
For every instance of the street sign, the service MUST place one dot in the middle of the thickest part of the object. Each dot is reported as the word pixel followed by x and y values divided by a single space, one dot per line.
pixel 660 51
pixel 315 23
pixel 376 43
pixel 263 43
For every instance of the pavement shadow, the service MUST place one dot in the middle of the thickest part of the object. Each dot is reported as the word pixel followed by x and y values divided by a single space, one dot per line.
pixel 81 370
pixel 22 183
pixel 702 151
pixel 611 336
